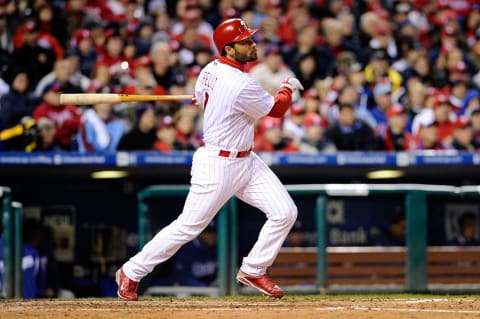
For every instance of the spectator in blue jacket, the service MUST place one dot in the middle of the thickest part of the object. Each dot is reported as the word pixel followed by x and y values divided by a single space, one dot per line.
pixel 34 271
pixel 99 130
pixel 196 263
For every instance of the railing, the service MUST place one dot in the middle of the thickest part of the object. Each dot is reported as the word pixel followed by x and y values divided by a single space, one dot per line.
pixel 415 196
pixel 12 217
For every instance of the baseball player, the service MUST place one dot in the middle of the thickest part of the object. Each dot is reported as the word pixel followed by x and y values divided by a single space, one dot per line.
pixel 227 166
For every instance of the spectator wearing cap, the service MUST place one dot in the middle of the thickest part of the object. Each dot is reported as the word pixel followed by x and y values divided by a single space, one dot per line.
pixel 100 130
pixel 36 60
pixel 314 140
pixel 270 137
pixel 46 141
pixel 65 117
pixel 383 39
pixel 166 135
pixel 293 122
pixel 396 137
pixel 445 117
pixel 311 99
pixel 382 96
pixel 348 133
pixel 427 137
pixel 82 46
pixel 272 70
pixel 142 39
pixel 141 63
pixel 18 102
pixel 143 133
pixel 113 54
pixel 379 68
pixel 187 137
pixel 463 138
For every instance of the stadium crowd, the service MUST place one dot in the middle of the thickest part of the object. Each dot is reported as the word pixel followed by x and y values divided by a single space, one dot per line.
pixel 378 75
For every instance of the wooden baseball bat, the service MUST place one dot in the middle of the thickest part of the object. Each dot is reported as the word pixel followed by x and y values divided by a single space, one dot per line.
pixel 112 98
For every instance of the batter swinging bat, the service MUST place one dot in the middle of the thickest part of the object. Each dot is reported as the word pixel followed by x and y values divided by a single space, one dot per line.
pixel 112 98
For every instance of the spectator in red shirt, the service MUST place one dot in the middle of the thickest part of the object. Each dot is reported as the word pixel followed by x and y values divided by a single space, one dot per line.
pixel 166 133
pixel 187 137
pixel 427 138
pixel 444 116
pixel 271 138
pixel 65 117
pixel 113 55
pixel 463 138
pixel 396 137
pixel 314 140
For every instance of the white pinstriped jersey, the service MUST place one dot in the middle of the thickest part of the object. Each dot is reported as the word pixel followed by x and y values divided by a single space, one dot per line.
pixel 232 102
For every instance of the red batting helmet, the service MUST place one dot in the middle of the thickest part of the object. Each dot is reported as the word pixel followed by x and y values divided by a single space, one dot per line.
pixel 231 30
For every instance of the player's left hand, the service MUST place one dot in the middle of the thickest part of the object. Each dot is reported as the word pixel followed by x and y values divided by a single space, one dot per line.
pixel 292 83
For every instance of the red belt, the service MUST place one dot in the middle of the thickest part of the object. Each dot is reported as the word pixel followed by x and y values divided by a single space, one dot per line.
pixel 225 153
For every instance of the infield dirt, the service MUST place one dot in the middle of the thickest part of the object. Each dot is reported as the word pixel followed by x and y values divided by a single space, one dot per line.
pixel 294 307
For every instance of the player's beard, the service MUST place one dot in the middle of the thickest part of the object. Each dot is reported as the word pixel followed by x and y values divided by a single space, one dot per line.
pixel 246 57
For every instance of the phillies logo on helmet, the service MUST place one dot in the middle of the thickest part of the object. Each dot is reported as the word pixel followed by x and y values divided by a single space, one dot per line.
pixel 231 31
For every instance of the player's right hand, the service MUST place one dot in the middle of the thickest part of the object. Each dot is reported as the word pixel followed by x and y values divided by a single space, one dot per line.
pixel 292 83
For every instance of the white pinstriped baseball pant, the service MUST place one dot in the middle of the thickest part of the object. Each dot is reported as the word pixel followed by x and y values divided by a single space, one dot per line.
pixel 214 180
